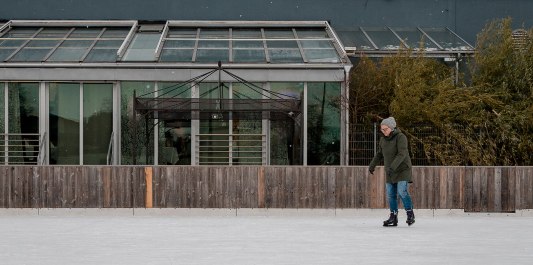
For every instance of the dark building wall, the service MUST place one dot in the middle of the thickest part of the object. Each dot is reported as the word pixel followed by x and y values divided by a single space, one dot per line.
pixel 466 17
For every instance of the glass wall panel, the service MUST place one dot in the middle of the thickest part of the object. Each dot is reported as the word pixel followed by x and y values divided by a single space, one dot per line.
pixel 323 123
pixel 174 134
pixel 97 122
pixel 139 138
pixel 247 149
pixel 214 147
pixel 23 122
pixel 64 120
pixel 286 135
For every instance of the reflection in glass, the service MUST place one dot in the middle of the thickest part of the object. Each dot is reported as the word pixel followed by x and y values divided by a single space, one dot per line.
pixel 141 141
pixel 97 122
pixel 64 123
pixel 214 149
pixel 286 135
pixel 23 119
pixel 247 148
pixel 174 135
pixel 323 123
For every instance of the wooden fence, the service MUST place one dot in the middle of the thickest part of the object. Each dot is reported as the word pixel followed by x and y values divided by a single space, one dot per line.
pixel 477 189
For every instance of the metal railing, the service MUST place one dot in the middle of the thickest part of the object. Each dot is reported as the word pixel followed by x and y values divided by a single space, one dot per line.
pixel 20 148
pixel 231 149
pixel 364 140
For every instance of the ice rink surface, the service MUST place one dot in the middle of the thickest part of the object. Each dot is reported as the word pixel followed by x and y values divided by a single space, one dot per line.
pixel 206 236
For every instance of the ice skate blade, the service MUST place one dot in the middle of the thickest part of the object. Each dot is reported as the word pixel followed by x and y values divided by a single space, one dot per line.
pixel 390 225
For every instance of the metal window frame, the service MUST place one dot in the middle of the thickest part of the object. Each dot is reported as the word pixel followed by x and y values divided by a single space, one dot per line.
pixel 59 44
pixel 161 42
pixel 23 45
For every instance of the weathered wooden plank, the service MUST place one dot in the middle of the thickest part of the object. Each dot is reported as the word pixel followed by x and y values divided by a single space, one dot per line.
pixel 508 176
pixel 497 189
pixel 469 190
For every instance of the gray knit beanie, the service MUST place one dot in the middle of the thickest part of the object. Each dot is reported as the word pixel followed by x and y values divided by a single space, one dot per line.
pixel 389 122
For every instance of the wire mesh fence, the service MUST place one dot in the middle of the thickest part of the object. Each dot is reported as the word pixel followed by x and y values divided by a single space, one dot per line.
pixel 428 145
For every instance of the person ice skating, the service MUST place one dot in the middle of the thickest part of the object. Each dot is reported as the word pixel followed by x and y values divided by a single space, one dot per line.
pixel 393 151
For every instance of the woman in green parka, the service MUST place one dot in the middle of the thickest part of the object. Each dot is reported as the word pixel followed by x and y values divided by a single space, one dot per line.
pixel 393 151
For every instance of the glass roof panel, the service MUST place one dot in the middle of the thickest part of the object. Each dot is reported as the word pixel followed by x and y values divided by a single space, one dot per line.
pixel 279 34
pixel 415 39
pixel 53 33
pixel 316 44
pixel 109 43
pixel 30 55
pixel 85 33
pixel 20 33
pixel 182 33
pixel 322 55
pixel 447 39
pixel 213 44
pixel 43 43
pixel 115 33
pixel 214 33
pixel 311 33
pixel 102 55
pixel 67 55
pixel 179 44
pixel 142 47
pixel 247 34
pixel 356 39
pixel 4 53
pixel 248 44
pixel 11 43
pixel 176 55
pixel 249 56
pixel 208 55
pixel 285 56
pixel 76 43
pixel 384 38
pixel 282 44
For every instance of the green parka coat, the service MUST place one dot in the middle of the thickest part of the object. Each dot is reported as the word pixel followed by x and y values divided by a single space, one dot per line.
pixel 393 150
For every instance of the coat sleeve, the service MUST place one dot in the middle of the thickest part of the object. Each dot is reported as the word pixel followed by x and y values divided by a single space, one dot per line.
pixel 377 158
pixel 403 152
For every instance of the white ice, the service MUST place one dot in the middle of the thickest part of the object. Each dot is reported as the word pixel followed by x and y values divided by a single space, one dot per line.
pixel 207 236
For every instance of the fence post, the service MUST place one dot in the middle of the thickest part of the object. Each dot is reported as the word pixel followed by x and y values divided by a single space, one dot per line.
pixel 148 201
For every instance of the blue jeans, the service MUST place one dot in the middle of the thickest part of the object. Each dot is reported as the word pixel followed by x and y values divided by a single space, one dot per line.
pixel 393 189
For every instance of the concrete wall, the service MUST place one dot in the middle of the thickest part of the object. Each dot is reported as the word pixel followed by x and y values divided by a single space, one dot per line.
pixel 466 17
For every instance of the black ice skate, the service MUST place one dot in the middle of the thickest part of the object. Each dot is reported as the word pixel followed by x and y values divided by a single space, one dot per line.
pixel 392 221
pixel 410 217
